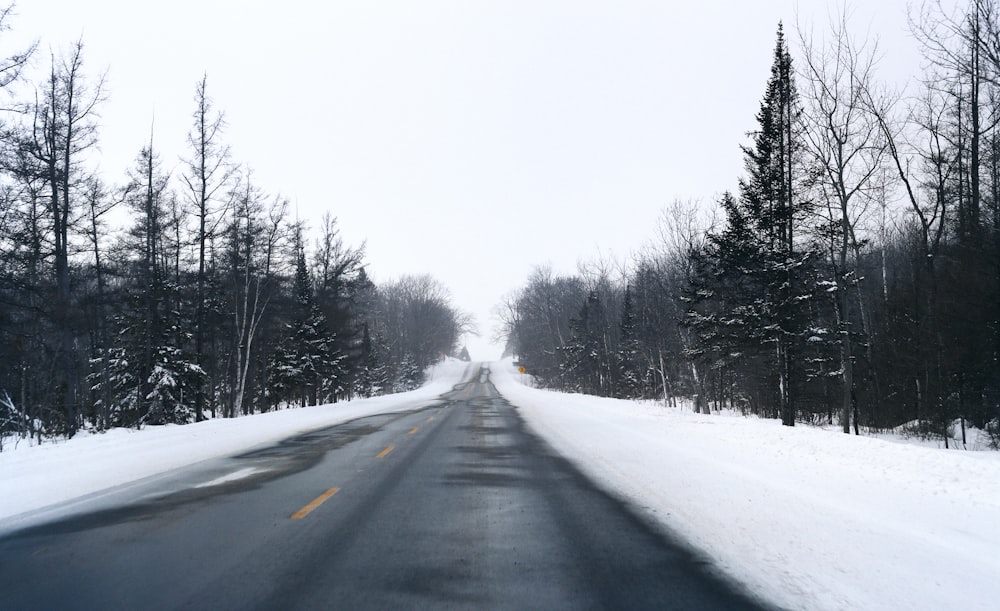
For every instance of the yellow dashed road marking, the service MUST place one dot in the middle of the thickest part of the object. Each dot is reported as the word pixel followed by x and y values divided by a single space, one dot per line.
pixel 298 515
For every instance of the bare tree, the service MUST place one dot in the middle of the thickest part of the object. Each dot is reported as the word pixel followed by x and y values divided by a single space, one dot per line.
pixel 63 128
pixel 963 50
pixel 12 66
pixel 255 235
pixel 847 148
pixel 416 314
pixel 542 310
pixel 925 164
pixel 336 262
pixel 99 204
pixel 682 231
pixel 208 172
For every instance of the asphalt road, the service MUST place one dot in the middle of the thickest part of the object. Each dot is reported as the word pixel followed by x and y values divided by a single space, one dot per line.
pixel 455 505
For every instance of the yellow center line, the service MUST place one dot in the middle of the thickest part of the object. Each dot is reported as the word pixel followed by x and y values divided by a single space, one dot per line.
pixel 383 453
pixel 431 418
pixel 438 412
pixel 298 515
pixel 413 430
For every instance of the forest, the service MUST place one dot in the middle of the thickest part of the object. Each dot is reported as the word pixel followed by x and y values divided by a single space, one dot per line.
pixel 852 278
pixel 168 297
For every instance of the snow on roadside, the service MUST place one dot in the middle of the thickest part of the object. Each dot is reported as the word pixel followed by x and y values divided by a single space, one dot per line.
pixel 33 477
pixel 804 518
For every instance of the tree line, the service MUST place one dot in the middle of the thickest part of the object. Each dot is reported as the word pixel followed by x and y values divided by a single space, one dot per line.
pixel 214 301
pixel 852 278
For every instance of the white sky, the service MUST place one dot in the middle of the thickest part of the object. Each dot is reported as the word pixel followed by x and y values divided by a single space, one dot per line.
pixel 469 140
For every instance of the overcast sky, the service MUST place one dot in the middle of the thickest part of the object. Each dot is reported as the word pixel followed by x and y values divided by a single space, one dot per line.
pixel 469 140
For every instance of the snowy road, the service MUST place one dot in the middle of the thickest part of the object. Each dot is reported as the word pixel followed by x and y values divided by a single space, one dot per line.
pixel 449 504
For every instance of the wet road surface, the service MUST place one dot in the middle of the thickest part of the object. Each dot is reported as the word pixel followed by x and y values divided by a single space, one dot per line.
pixel 454 505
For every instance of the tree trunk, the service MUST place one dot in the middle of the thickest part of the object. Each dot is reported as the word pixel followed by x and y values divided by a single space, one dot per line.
pixel 847 357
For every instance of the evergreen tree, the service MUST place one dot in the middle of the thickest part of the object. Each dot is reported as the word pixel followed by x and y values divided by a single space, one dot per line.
pixel 768 191
pixel 726 309
pixel 584 360
pixel 408 375
pixel 341 290
pixel 769 196
pixel 371 377
pixel 147 375
pixel 756 270
pixel 630 374
pixel 132 393
pixel 175 378
pixel 305 366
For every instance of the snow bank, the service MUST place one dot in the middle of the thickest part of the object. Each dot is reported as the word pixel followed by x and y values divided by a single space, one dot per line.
pixel 33 477
pixel 803 517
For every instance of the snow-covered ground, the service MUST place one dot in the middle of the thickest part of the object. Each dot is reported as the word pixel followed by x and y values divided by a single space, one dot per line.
pixel 34 477
pixel 806 518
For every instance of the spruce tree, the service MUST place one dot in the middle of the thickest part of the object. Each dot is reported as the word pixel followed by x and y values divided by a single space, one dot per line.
pixel 584 360
pixel 768 194
pixel 408 375
pixel 370 378
pixel 630 374
pixel 750 300
pixel 305 367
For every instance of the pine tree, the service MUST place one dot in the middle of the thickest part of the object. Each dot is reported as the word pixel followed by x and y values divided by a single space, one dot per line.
pixel 369 379
pixel 175 378
pixel 768 191
pixel 408 376
pixel 342 291
pixel 726 312
pixel 133 393
pixel 630 374
pixel 305 366
pixel 768 195
pixel 377 365
pixel 751 296
pixel 584 360
pixel 147 375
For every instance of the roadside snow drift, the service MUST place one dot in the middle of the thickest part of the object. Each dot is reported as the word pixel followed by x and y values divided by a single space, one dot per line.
pixel 805 518
pixel 39 476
